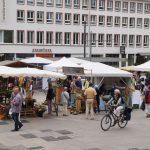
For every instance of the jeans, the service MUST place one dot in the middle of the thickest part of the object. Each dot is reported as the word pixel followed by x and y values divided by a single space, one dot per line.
pixel 49 106
pixel 15 117
pixel 73 99
pixel 89 108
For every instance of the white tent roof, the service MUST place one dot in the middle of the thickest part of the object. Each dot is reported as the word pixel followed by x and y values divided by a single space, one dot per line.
pixel 64 62
pixel 36 60
pixel 96 69
pixel 143 67
pixel 29 72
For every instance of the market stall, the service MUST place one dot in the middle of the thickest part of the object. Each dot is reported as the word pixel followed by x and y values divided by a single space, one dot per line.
pixel 38 61
pixel 21 77
pixel 65 66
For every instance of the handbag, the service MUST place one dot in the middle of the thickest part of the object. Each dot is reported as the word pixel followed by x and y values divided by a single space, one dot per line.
pixel 143 106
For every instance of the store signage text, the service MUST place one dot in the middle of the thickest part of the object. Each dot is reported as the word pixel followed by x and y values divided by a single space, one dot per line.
pixel 41 50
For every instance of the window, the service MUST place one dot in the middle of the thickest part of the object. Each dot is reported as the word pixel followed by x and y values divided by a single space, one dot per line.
pixel 132 22
pixel 86 38
pixel 131 40
pixel 67 18
pixel 94 4
pixel 139 7
pixel 58 17
pixel 67 40
pixel 58 38
pixel 76 19
pixel 49 37
pixel 147 8
pixel 84 19
pixel 49 17
pixel 20 15
pixel 59 3
pixel 132 7
pixel 93 19
pixel 146 22
pixel 101 20
pixel 124 40
pixel 76 38
pixel 93 39
pixel 40 2
pixel 20 2
pixel 125 6
pixel 30 2
pixel 116 40
pixel 40 37
pixel 117 5
pixel 109 40
pixel 30 16
pixel 30 37
pixel 20 37
pixel 49 3
pixel 8 36
pixel 67 3
pixel 100 39
pixel 109 20
pixel 40 16
pixel 138 40
pixel 84 4
pixel 76 3
pixel 101 4
pixel 117 21
pixel 146 41
pixel 109 5
pixel 124 21
pixel 1 36
pixel 139 22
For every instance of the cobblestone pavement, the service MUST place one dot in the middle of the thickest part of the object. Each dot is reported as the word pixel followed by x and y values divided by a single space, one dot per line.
pixel 75 133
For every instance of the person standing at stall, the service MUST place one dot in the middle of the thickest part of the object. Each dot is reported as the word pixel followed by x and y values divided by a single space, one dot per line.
pixel 49 98
pixel 64 99
pixel 90 94
pixel 16 105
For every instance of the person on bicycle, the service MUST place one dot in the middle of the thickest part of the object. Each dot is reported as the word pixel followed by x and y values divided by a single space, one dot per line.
pixel 117 101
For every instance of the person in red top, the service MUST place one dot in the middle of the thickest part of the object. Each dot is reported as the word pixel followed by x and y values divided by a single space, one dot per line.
pixel 147 102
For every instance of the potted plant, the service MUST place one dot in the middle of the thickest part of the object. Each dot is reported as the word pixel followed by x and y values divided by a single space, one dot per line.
pixel 40 109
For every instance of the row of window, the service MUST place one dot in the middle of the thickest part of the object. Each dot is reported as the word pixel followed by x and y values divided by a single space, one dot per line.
pixel 68 17
pixel 68 38
pixel 110 5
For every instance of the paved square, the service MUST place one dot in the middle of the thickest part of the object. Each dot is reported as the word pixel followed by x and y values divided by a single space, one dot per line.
pixel 64 132
pixel 28 136
pixel 76 133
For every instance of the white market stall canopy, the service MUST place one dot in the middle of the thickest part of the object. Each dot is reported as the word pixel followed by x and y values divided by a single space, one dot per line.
pixel 145 67
pixel 37 61
pixel 64 64
pixel 97 69
pixel 28 72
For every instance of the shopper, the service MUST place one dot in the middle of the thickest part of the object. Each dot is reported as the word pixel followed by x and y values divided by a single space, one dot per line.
pixel 90 94
pixel 49 98
pixel 147 101
pixel 64 99
pixel 97 99
pixel 16 105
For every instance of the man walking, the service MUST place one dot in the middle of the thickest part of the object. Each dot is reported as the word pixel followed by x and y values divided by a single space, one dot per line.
pixel 90 94
pixel 16 105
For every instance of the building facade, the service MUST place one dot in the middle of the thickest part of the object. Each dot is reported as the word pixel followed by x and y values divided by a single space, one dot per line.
pixel 55 28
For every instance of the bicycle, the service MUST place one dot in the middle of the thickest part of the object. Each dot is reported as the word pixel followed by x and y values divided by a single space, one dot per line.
pixel 111 119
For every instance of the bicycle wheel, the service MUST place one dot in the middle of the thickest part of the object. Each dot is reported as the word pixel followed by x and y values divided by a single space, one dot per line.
pixel 122 122
pixel 106 123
